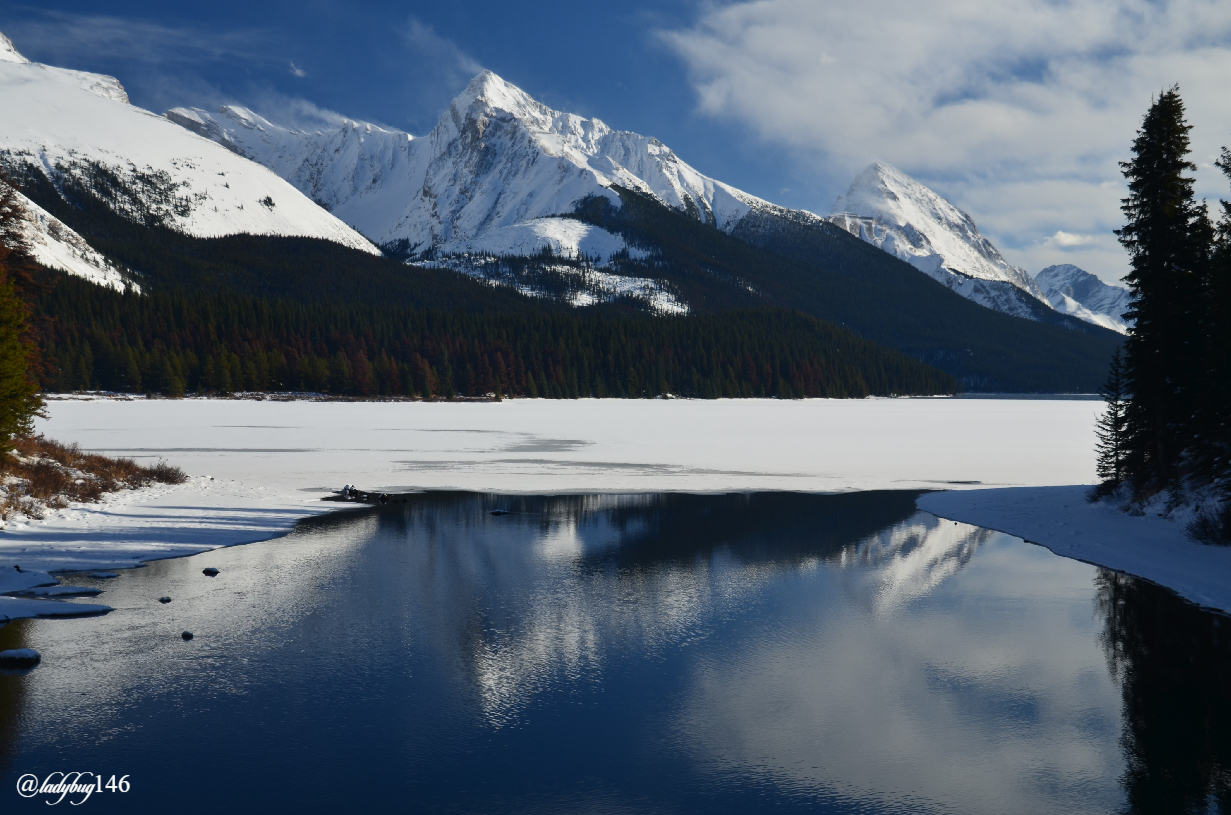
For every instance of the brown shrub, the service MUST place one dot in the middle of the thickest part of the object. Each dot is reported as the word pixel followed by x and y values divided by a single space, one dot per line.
pixel 42 473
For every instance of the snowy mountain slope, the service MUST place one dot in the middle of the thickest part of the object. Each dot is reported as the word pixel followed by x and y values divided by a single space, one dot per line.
pixel 55 246
pixel 8 53
pixel 577 284
pixel 496 159
pixel 61 122
pixel 889 209
pixel 1075 291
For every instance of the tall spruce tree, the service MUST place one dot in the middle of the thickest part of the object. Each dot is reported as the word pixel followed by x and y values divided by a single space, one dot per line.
pixel 1110 429
pixel 1218 344
pixel 1211 457
pixel 19 393
pixel 1168 237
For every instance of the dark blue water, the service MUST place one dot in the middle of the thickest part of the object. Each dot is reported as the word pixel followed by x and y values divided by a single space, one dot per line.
pixel 644 654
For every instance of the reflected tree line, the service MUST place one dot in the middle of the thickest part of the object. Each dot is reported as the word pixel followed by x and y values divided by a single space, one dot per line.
pixel 1173 663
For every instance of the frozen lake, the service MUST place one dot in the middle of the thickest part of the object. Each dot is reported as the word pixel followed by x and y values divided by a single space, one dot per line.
pixel 635 653
pixel 256 467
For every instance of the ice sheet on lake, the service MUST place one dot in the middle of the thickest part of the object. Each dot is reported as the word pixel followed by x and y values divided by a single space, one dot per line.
pixel 257 467
pixel 15 608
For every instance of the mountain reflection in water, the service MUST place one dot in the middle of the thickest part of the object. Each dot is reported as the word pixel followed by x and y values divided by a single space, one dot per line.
pixel 634 653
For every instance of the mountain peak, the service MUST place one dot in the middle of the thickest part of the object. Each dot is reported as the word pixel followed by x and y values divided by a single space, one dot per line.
pixel 1073 290
pixel 889 209
pixel 9 53
pixel 497 93
pixel 884 192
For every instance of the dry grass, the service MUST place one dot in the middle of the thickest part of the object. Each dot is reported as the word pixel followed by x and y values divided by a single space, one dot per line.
pixel 42 474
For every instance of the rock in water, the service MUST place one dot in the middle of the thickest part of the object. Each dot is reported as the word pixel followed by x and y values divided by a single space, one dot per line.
pixel 187 635
pixel 164 600
pixel 211 571
pixel 103 575
pixel 500 512
pixel 20 658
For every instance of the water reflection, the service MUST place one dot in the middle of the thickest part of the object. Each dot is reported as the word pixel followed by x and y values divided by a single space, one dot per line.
pixel 637 653
pixel 1174 664
pixel 12 698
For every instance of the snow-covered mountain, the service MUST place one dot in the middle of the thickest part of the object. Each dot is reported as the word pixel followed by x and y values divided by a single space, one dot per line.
pixel 53 245
pixel 80 126
pixel 1075 291
pixel 493 176
pixel 889 209
pixel 500 174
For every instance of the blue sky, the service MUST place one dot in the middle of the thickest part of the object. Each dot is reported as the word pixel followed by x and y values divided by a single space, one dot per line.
pixel 399 64
pixel 1017 112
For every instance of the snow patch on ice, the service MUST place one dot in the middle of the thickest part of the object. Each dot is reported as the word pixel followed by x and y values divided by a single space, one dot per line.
pixel 16 608
pixel 15 579
pixel 1060 518
pixel 62 591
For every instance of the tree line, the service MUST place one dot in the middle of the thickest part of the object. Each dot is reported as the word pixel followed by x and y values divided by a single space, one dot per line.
pixel 1166 429
pixel 20 360
pixel 173 342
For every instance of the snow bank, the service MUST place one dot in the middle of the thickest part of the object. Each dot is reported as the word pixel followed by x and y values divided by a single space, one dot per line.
pixel 15 608
pixel 1061 519
pixel 15 579
pixel 62 591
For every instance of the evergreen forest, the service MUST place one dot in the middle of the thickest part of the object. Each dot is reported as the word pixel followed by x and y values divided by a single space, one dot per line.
pixel 812 268
pixel 173 342
pixel 1166 430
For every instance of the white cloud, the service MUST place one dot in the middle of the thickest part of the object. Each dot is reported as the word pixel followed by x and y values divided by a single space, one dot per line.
pixel 444 54
pixel 1016 112
pixel 299 72
pixel 61 37
pixel 1067 240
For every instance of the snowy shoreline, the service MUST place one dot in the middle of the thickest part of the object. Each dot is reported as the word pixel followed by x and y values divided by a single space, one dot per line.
pixel 1060 519
pixel 259 467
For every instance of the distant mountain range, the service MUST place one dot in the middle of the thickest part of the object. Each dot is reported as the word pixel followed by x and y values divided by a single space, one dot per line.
pixel 72 124
pixel 1074 291
pixel 550 204
pixel 892 211
pixel 500 174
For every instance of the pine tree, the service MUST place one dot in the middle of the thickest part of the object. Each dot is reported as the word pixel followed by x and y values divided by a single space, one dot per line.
pixel 20 401
pixel 1168 238
pixel 1212 455
pixel 1216 423
pixel 1110 429
pixel 19 397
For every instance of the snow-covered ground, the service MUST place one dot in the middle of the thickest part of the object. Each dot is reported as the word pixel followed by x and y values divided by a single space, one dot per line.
pixel 257 467
pixel 54 245
pixel 1061 519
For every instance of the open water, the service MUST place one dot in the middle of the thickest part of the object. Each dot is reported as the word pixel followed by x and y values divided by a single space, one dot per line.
pixel 628 654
